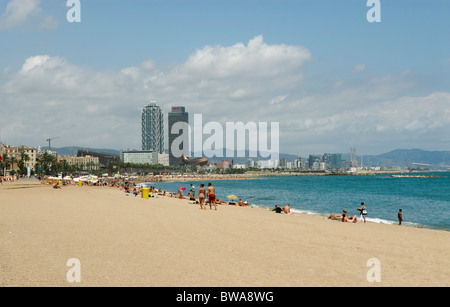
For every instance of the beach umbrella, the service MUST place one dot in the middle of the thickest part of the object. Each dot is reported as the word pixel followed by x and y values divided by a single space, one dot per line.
pixel 182 188
pixel 232 197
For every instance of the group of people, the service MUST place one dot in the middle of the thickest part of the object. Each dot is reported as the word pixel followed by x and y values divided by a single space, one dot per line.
pixel 350 219
pixel 363 212
pixel 286 209
pixel 5 179
pixel 203 194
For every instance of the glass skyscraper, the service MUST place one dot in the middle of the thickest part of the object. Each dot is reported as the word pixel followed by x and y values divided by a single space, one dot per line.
pixel 178 115
pixel 152 128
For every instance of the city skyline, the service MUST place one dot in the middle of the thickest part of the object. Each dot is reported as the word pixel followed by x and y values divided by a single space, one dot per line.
pixel 332 79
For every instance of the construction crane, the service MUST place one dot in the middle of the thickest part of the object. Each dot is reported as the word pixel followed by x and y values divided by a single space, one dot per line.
pixel 49 140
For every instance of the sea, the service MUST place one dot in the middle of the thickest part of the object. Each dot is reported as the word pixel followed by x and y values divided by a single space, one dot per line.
pixel 423 197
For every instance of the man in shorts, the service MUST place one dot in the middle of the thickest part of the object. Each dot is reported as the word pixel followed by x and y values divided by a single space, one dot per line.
pixel 211 192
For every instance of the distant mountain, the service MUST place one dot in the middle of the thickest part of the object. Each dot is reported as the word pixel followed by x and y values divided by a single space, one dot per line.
pixel 396 158
pixel 402 157
pixel 72 150
pixel 246 154
pixel 417 156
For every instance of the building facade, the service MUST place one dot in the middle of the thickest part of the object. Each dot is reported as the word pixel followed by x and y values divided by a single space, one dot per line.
pixel 85 163
pixel 14 155
pixel 152 128
pixel 178 116
pixel 163 159
pixel 139 157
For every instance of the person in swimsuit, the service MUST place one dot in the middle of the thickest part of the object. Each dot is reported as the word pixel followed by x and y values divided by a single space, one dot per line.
pixel 201 196
pixel 211 196
pixel 400 216
pixel 347 219
pixel 286 209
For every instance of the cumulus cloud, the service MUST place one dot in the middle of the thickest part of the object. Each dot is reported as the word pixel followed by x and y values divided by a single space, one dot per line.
pixel 49 96
pixel 19 12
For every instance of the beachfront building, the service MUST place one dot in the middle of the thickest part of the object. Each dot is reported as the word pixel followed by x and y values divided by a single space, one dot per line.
pixel 40 152
pixel 15 155
pixel 225 164
pixel 335 161
pixel 86 163
pixel 152 128
pixel 268 164
pixel 163 159
pixel 139 157
pixel 239 166
pixel 314 161
pixel 104 159
pixel 178 115
pixel 299 163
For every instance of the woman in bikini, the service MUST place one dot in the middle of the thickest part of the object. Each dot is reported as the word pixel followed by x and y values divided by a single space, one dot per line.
pixel 201 196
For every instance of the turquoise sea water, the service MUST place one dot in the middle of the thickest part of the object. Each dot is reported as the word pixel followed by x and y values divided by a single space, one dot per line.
pixel 425 201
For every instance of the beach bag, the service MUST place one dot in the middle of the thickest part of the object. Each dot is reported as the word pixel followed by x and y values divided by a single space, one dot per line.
pixel 364 212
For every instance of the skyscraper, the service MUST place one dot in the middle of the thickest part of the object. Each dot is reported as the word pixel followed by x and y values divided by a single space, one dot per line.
pixel 178 115
pixel 152 128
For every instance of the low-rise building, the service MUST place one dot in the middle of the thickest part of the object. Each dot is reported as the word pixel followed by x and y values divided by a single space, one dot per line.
pixel 14 156
pixel 139 157
pixel 85 163
pixel 163 159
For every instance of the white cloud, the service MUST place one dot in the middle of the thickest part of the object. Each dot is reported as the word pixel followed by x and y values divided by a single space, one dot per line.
pixel 18 11
pixel 359 68
pixel 49 23
pixel 253 82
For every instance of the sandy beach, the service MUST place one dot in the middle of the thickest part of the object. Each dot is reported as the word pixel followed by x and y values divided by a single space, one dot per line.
pixel 125 240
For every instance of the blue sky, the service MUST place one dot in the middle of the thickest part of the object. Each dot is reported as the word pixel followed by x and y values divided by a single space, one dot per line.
pixel 333 54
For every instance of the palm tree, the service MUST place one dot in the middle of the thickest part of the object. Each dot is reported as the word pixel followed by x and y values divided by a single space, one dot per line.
pixel 24 158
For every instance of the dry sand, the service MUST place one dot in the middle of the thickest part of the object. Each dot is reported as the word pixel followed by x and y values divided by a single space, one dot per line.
pixel 129 241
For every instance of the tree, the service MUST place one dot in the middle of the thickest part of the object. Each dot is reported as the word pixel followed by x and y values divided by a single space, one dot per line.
pixel 46 165
pixel 22 162
pixel 5 163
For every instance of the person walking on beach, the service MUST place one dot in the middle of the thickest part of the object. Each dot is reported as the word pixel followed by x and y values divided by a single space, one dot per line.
pixel 201 196
pixel 363 212
pixel 400 216
pixel 211 196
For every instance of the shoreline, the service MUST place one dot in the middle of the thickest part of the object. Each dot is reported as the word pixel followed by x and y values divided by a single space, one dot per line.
pixel 130 241
pixel 375 220
pixel 253 175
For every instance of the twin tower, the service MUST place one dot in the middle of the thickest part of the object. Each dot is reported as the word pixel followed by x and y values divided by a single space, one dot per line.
pixel 152 124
